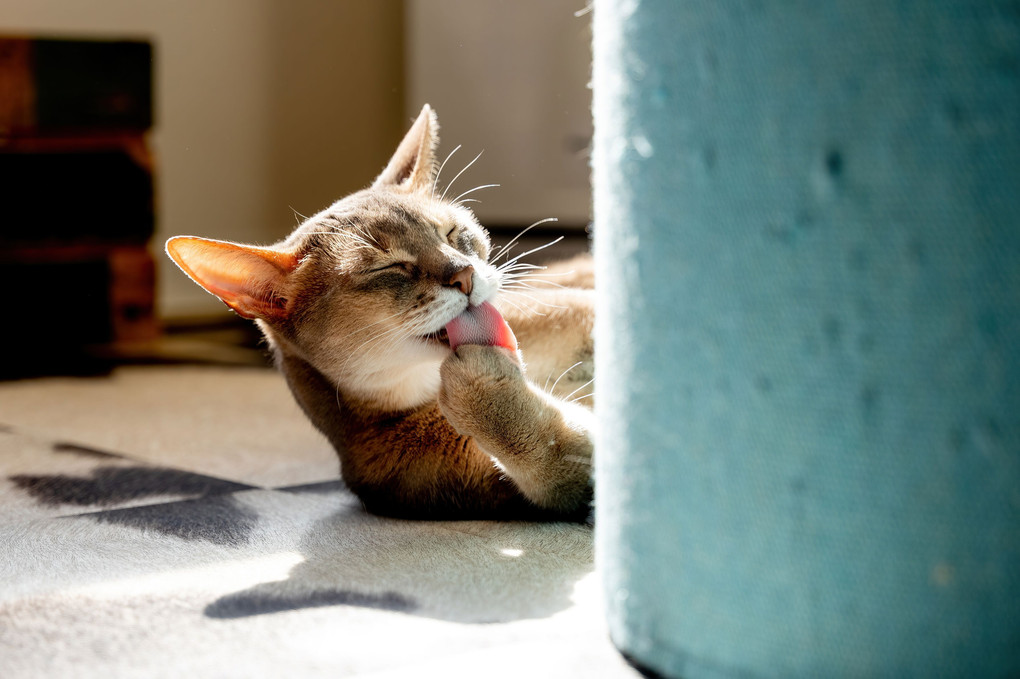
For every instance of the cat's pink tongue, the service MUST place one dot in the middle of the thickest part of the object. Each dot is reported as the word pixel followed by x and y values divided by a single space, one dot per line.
pixel 481 324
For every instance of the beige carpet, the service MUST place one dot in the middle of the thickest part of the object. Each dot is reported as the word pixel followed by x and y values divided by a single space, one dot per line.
pixel 187 521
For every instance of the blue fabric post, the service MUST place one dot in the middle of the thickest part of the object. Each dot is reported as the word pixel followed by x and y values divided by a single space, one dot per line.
pixel 807 238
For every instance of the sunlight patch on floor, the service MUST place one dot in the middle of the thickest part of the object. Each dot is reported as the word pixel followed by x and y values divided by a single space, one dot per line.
pixel 235 574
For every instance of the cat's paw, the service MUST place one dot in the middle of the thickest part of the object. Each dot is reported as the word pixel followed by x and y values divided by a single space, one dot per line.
pixel 542 444
pixel 481 385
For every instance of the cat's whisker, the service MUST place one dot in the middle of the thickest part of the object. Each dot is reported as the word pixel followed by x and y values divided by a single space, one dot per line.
pixel 386 342
pixel 333 234
pixel 523 276
pixel 435 180
pixel 582 396
pixel 520 289
pixel 556 274
pixel 515 304
pixel 521 293
pixel 373 339
pixel 365 233
pixel 512 291
pixel 525 266
pixel 564 373
pixel 531 284
pixel 513 264
pixel 540 247
pixel 477 188
pixel 366 344
pixel 504 250
pixel 516 267
pixel 535 283
pixel 349 235
pixel 589 382
pixel 515 276
pixel 531 311
pixel 403 330
pixel 362 243
pixel 520 277
pixel 327 232
pixel 529 273
pixel 584 10
pixel 450 185
pixel 381 320
pixel 382 341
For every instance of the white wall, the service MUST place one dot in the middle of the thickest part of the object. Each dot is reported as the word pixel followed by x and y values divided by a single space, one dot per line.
pixel 509 77
pixel 261 105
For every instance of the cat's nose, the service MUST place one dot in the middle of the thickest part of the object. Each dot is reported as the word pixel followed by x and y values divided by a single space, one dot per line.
pixel 462 279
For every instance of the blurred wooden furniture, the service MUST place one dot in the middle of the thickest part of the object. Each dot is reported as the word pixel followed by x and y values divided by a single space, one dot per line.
pixel 76 195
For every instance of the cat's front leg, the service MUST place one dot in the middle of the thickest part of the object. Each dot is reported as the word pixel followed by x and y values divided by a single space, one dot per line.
pixel 543 444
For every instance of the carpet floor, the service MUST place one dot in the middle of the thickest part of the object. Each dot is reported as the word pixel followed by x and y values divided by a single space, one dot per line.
pixel 169 521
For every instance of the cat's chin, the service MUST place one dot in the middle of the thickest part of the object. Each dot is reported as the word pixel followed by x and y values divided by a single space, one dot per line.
pixel 424 353
pixel 403 387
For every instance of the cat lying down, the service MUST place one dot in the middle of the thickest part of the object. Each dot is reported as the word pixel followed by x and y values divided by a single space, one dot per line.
pixel 421 359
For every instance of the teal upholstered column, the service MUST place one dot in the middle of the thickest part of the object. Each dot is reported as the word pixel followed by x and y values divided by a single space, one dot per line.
pixel 807 233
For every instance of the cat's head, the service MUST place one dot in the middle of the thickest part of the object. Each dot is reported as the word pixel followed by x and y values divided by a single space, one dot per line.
pixel 362 290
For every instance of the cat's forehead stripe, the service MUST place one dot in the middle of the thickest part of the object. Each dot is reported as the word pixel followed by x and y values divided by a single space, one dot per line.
pixel 400 228
pixel 402 223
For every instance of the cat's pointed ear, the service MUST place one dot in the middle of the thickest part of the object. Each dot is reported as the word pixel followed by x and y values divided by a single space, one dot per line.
pixel 250 280
pixel 413 165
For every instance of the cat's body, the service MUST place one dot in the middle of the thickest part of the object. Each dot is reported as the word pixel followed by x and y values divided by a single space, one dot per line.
pixel 354 304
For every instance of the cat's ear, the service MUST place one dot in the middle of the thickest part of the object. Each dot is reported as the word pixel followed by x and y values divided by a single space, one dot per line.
pixel 250 280
pixel 413 165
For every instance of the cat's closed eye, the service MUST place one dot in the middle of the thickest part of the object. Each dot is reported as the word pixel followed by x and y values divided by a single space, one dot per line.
pixel 404 267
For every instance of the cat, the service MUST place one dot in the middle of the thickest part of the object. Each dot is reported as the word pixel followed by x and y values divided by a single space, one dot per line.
pixel 354 305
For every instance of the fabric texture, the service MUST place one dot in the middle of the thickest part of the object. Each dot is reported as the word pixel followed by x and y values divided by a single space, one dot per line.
pixel 808 256
pixel 184 521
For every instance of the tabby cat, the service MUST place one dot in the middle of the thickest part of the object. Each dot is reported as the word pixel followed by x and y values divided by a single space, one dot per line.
pixel 356 305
